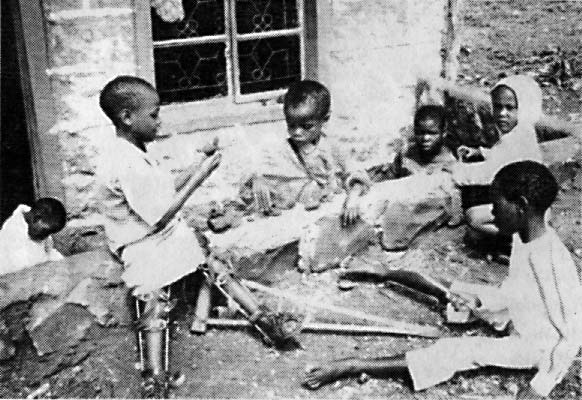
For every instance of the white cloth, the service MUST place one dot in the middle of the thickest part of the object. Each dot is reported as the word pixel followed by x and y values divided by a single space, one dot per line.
pixel 518 145
pixel 134 193
pixel 17 249
pixel 541 296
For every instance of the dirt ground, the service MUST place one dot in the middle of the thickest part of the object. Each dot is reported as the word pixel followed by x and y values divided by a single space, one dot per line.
pixel 499 36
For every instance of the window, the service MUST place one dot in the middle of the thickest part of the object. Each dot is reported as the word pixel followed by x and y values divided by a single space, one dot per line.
pixel 240 50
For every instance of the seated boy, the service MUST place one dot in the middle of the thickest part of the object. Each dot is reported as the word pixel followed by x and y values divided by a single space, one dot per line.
pixel 25 237
pixel 540 297
pixel 402 221
pixel 307 167
pixel 428 152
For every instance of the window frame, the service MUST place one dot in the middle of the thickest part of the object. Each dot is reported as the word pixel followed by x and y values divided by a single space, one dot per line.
pixel 213 113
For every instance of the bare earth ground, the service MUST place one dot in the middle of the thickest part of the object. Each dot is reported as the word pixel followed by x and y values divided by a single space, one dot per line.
pixel 501 35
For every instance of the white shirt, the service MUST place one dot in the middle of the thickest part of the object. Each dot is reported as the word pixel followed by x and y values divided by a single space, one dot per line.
pixel 134 192
pixel 542 298
pixel 17 249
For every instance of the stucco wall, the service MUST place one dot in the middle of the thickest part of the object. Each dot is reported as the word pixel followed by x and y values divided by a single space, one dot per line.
pixel 370 54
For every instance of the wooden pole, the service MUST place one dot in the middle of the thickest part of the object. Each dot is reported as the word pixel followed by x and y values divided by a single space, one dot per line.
pixel 397 327
pixel 311 327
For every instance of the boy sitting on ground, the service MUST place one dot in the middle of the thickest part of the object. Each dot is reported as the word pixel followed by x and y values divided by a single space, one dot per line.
pixel 26 236
pixel 307 167
pixel 540 297
pixel 403 221
pixel 428 153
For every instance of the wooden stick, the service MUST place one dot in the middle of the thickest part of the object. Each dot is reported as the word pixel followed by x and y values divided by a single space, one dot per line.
pixel 397 327
pixel 550 127
pixel 311 327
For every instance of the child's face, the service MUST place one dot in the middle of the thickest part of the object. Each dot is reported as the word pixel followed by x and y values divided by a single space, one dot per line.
pixel 507 215
pixel 38 229
pixel 504 109
pixel 428 135
pixel 145 119
pixel 303 123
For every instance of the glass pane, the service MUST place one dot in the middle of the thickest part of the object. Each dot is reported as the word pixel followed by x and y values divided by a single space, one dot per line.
pixel 268 64
pixel 265 15
pixel 202 18
pixel 188 73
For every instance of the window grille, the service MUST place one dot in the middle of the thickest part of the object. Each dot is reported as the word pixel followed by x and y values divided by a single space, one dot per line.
pixel 244 50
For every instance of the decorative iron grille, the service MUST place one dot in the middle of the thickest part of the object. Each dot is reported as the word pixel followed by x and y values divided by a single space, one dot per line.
pixel 241 49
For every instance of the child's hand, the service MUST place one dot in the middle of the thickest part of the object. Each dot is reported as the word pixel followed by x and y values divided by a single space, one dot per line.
pixel 211 163
pixel 465 153
pixel 463 301
pixel 210 148
pixel 262 195
pixel 528 393
pixel 351 209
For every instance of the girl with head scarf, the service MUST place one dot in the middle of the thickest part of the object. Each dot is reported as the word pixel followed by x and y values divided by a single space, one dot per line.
pixel 516 107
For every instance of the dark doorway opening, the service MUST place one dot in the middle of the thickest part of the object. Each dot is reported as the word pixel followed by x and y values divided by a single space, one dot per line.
pixel 16 177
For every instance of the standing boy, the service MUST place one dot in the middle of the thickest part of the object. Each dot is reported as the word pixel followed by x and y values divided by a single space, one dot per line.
pixel 540 297
pixel 140 201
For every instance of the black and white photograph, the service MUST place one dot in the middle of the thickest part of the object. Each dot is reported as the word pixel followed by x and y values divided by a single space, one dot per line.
pixel 291 199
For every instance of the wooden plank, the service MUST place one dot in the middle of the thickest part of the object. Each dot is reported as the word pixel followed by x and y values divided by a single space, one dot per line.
pixel 143 42
pixel 398 327
pixel 38 98
pixel 316 327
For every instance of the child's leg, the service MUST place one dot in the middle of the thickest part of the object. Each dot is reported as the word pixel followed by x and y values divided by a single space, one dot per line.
pixel 202 308
pixel 434 364
pixel 383 367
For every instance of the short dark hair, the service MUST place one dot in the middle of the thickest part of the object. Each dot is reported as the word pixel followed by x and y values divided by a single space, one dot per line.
pixel 122 93
pixel 51 211
pixel 301 92
pixel 432 112
pixel 529 179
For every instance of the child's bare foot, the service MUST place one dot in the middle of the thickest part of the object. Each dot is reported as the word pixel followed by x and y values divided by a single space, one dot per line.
pixel 319 375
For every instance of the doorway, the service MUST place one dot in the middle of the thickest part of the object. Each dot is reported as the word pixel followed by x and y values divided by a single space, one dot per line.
pixel 16 176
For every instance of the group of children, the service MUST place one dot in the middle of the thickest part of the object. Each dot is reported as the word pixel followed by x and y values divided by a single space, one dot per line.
pixel 507 193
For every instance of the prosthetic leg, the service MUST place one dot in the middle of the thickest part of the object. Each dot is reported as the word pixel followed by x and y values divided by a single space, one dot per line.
pixel 152 311
pixel 276 329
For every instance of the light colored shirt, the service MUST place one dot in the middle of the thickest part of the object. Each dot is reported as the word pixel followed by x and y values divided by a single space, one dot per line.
pixel 17 249
pixel 542 298
pixel 518 145
pixel 325 164
pixel 134 192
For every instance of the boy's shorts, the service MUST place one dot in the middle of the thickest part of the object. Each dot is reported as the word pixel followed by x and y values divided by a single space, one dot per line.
pixel 162 259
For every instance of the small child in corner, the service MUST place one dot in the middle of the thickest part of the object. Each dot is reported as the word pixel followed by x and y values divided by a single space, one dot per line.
pixel 540 298
pixel 26 236
pixel 26 240
pixel 307 167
